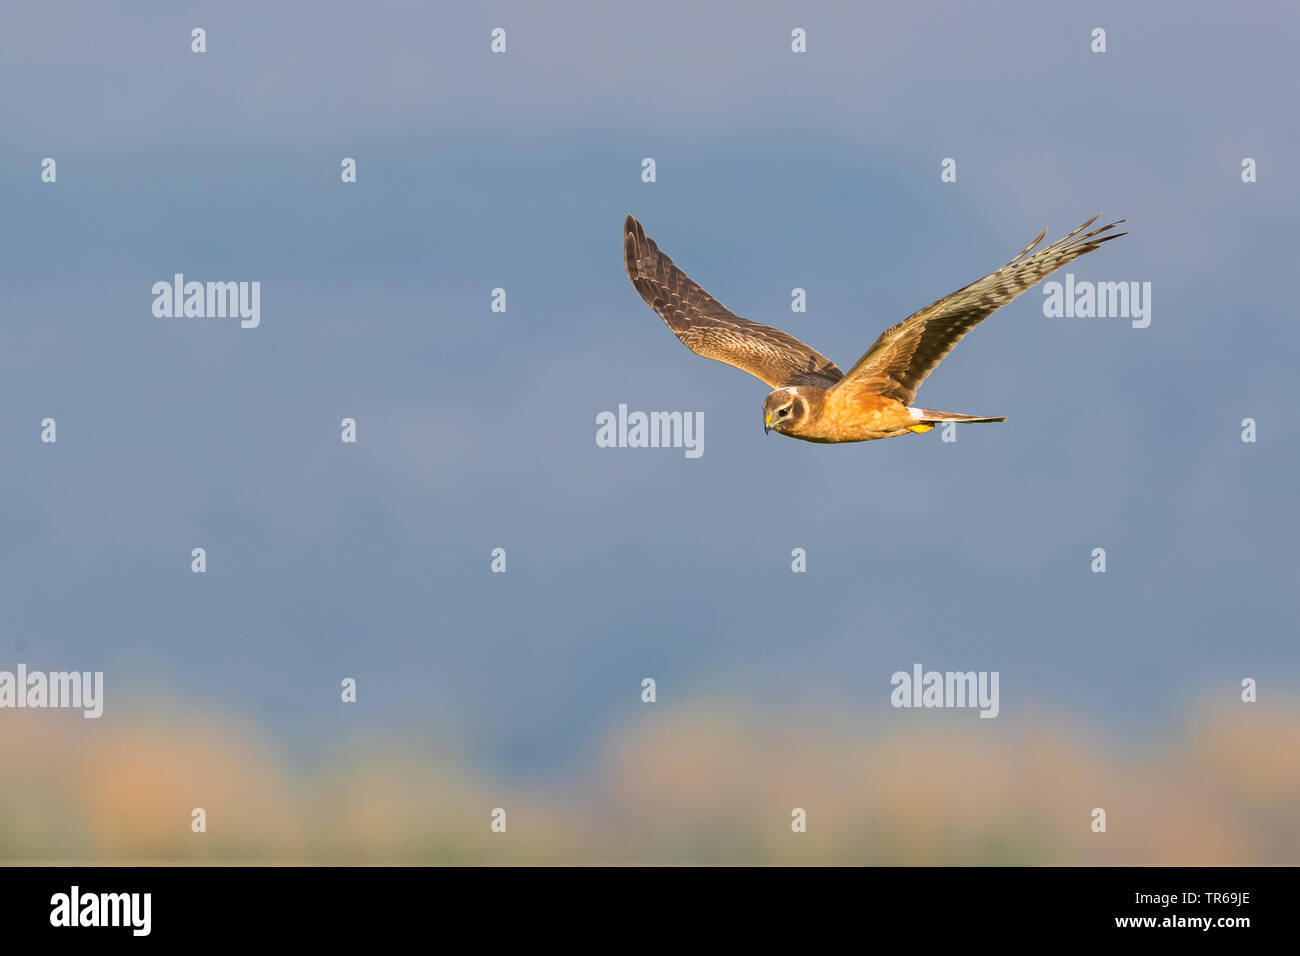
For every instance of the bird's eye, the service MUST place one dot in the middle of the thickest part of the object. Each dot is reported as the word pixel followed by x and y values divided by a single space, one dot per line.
pixel 785 411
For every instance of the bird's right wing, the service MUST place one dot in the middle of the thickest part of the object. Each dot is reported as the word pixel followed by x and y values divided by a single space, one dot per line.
pixel 708 328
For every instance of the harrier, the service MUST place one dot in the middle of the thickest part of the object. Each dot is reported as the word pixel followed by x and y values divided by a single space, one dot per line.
pixel 811 398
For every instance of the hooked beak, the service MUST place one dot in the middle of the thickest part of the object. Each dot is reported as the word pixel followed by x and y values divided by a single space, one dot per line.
pixel 767 423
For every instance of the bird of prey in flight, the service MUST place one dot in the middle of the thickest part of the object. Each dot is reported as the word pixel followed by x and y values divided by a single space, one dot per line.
pixel 811 398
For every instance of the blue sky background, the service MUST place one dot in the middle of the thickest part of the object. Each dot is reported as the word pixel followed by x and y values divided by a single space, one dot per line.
pixel 477 429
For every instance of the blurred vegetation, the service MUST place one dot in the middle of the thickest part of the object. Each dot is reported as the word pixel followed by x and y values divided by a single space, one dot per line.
pixel 709 784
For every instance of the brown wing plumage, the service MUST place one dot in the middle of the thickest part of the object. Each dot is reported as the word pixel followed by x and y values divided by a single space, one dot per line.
pixel 899 361
pixel 708 328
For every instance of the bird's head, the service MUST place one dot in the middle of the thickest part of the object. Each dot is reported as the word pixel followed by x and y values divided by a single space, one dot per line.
pixel 783 410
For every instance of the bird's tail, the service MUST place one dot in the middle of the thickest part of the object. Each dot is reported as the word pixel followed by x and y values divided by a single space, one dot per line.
pixel 927 418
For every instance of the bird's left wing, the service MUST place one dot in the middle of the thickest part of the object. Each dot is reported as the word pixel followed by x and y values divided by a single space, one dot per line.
pixel 899 361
